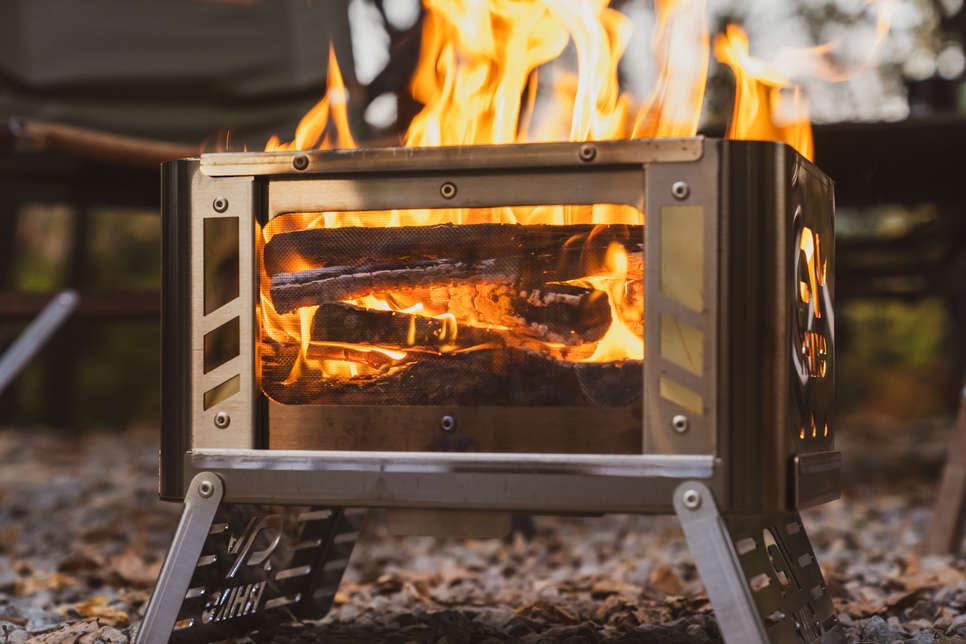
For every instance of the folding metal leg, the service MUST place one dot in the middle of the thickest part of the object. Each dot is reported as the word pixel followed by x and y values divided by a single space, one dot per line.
pixel 949 511
pixel 759 570
pixel 233 568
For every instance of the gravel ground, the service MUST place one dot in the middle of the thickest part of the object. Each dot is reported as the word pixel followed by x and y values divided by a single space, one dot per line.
pixel 82 534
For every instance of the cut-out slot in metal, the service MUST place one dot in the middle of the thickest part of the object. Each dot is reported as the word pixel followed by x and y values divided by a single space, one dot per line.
pixel 759 582
pixel 221 344
pixel 221 261
pixel 746 545
pixel 222 392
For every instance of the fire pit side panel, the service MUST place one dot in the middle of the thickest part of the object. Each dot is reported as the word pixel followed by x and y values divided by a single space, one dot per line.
pixel 776 364
pixel 208 368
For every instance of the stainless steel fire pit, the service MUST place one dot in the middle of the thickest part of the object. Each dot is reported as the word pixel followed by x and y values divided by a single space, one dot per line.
pixel 269 437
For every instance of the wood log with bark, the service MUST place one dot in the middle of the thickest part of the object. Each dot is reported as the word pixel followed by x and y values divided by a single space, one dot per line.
pixel 505 375
pixel 319 247
pixel 339 322
pixel 483 294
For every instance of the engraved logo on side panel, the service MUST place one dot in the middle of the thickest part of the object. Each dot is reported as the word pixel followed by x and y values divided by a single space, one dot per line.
pixel 259 569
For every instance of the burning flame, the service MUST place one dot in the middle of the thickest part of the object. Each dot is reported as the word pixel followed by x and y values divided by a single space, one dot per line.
pixel 619 343
pixel 478 77
pixel 768 105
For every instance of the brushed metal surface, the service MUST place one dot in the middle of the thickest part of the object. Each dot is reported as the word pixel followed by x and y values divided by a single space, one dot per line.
pixel 470 157
pixel 240 407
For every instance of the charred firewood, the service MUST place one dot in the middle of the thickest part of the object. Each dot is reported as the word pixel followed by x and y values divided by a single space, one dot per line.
pixel 559 313
pixel 319 247
pixel 291 291
pixel 355 325
pixel 508 375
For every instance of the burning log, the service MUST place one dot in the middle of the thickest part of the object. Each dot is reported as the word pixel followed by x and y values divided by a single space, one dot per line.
pixel 291 291
pixel 558 313
pixel 512 376
pixel 355 325
pixel 318 247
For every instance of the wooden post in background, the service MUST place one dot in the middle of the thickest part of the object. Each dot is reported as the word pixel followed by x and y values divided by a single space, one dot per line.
pixel 949 511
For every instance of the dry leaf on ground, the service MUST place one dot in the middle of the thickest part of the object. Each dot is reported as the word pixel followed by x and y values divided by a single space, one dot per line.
pixel 97 607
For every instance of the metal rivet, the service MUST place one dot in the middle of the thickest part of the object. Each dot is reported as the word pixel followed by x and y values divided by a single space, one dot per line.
pixel 222 420
pixel 220 204
pixel 680 423
pixel 692 499
pixel 300 162
pixel 448 190
pixel 680 189
pixel 448 423
pixel 206 488
pixel 587 152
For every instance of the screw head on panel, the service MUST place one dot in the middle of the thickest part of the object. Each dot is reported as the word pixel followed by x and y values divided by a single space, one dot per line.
pixel 691 499
pixel 220 204
pixel 222 420
pixel 680 190
pixel 680 423
pixel 448 190
pixel 587 152
pixel 447 423
pixel 206 488
pixel 300 162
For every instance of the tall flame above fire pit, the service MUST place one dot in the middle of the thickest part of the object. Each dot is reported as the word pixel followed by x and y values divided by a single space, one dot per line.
pixel 478 77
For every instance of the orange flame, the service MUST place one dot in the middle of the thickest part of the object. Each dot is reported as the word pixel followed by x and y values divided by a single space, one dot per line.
pixel 768 107
pixel 479 77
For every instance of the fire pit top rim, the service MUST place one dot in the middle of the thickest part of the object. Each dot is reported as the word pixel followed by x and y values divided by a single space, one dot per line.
pixel 515 155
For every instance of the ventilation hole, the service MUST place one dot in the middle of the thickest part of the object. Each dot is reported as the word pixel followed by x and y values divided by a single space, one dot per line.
pixel 221 344
pixel 221 392
pixel 774 617
pixel 184 623
pixel 805 560
pixel 793 528
pixel 746 545
pixel 759 582
pixel 775 556
pixel 314 515
pixel 816 592
pixel 221 261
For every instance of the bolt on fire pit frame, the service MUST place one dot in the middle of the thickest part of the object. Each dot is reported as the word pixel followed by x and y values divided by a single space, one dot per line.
pixel 735 434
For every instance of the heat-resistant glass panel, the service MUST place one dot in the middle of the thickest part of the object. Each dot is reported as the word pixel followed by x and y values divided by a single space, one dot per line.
pixel 221 261
pixel 221 344
pixel 495 306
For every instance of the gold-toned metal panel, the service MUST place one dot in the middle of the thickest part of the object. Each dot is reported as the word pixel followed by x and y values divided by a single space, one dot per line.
pixel 682 255
pixel 681 395
pixel 682 344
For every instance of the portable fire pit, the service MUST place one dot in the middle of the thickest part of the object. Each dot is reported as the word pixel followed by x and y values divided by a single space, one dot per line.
pixel 494 328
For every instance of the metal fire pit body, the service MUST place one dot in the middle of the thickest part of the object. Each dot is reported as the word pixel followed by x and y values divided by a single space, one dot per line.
pixel 732 429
